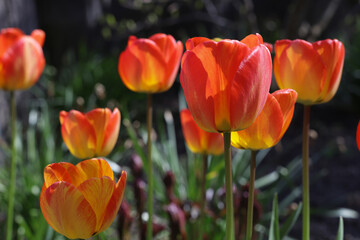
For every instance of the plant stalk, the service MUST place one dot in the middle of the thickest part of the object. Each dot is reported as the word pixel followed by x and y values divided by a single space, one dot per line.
pixel 203 195
pixel 305 175
pixel 250 208
pixel 149 112
pixel 10 213
pixel 230 234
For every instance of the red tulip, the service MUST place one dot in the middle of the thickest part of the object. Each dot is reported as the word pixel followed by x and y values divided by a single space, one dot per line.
pixel 198 140
pixel 270 125
pixel 81 201
pixel 226 83
pixel 92 134
pixel 313 70
pixel 150 65
pixel 21 58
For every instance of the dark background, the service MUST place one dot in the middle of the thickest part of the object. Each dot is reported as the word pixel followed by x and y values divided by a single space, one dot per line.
pixel 85 37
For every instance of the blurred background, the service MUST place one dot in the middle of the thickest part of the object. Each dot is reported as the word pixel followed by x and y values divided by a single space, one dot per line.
pixel 84 39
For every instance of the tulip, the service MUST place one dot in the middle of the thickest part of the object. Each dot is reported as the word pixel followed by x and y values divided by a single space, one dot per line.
pixel 21 58
pixel 270 125
pixel 358 135
pixel 265 132
pixel 150 65
pixel 81 201
pixel 92 134
pixel 226 83
pixel 198 140
pixel 313 70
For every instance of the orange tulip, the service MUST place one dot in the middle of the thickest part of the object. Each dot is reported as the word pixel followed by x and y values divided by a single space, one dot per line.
pixel 313 70
pixel 21 58
pixel 225 83
pixel 81 201
pixel 150 65
pixel 270 125
pixel 92 134
pixel 198 140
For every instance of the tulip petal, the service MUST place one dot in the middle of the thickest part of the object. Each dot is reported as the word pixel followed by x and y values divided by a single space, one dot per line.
pixel 56 172
pixel 193 42
pixel 253 40
pixel 78 134
pixel 300 67
pixel 21 64
pixel 95 168
pixel 165 43
pixel 114 203
pixel 8 37
pixel 97 192
pixel 193 78
pixel 264 132
pixel 250 87
pixel 39 36
pixel 286 98
pixel 67 211
pixel 332 53
pixel 111 132
pixel 99 119
pixel 142 66
pixel 191 131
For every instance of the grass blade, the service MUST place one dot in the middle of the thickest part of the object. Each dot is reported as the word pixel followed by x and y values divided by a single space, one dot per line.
pixel 340 234
pixel 287 226
pixel 274 233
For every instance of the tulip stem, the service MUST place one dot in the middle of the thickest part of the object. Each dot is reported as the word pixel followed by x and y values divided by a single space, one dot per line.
pixel 203 195
pixel 305 174
pixel 230 234
pixel 149 233
pixel 10 213
pixel 250 208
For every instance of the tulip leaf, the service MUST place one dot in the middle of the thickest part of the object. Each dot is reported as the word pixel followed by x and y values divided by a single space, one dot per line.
pixel 274 233
pixel 340 234
pixel 289 223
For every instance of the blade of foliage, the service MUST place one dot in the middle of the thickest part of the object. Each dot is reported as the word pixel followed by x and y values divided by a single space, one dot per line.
pixel 274 233
pixel 289 223
pixel 340 234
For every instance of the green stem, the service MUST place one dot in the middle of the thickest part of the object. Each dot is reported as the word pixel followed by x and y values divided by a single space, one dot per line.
pixel 230 234
pixel 203 195
pixel 10 213
pixel 305 174
pixel 150 171
pixel 250 208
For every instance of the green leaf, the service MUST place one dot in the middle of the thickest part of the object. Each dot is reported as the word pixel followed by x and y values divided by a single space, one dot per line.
pixel 288 225
pixel 340 234
pixel 274 233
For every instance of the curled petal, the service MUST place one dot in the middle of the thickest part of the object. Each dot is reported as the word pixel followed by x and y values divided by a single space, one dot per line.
pixel 114 203
pixel 191 131
pixel 111 133
pixel 286 98
pixel 39 36
pixel 67 211
pixel 193 42
pixel 253 40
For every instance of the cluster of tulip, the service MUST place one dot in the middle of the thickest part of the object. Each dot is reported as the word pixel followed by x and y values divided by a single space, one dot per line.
pixel 226 85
